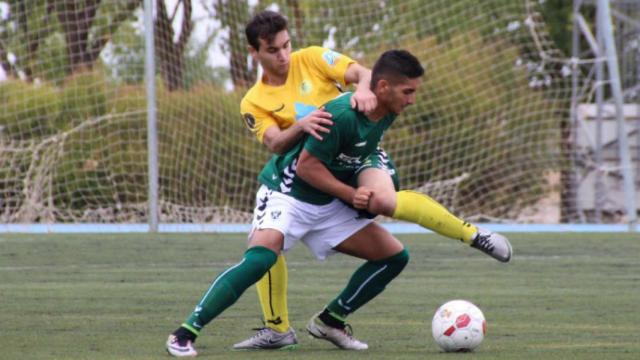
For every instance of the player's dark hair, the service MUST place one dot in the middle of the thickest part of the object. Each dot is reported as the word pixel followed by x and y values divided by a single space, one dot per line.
pixel 264 25
pixel 395 66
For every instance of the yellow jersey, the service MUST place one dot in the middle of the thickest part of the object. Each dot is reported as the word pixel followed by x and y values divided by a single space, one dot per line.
pixel 315 75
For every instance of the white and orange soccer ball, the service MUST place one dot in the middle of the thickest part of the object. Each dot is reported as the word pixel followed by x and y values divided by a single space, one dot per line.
pixel 458 325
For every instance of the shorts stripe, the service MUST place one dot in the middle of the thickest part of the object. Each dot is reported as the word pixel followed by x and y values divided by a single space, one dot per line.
pixel 261 207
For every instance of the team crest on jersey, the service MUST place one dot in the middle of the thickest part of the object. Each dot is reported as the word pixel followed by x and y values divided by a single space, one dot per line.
pixel 331 57
pixel 306 87
pixel 249 120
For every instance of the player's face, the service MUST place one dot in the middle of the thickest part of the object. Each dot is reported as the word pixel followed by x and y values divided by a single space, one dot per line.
pixel 402 94
pixel 274 56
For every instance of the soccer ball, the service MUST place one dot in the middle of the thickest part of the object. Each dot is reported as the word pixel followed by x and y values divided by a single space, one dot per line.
pixel 458 325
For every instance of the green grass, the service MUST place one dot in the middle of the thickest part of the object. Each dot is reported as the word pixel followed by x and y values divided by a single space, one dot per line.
pixel 564 296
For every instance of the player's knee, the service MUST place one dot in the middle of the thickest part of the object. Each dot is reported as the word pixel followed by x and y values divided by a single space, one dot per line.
pixel 258 260
pixel 382 203
pixel 397 262
pixel 401 259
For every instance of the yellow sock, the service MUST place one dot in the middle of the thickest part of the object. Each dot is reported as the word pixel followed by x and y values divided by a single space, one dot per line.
pixel 420 209
pixel 272 293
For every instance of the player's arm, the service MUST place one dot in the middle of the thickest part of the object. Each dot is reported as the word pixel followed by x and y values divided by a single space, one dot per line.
pixel 278 141
pixel 315 173
pixel 343 70
pixel 363 98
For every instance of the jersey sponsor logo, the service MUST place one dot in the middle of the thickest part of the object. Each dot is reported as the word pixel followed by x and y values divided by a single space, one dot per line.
pixel 331 57
pixel 349 160
pixel 249 120
pixel 275 214
pixel 303 110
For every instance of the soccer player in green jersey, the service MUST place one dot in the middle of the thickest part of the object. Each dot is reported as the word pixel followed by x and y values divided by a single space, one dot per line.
pixel 284 105
pixel 305 198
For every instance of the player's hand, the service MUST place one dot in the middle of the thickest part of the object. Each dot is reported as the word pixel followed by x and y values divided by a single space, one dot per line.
pixel 318 121
pixel 361 197
pixel 364 100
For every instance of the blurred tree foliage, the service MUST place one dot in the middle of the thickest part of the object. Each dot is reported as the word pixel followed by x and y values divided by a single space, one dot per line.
pixel 484 91
pixel 169 46
pixel 206 155
pixel 558 17
pixel 52 39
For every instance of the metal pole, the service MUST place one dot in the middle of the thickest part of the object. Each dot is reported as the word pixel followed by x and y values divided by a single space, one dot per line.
pixel 569 185
pixel 152 133
pixel 604 20
pixel 599 186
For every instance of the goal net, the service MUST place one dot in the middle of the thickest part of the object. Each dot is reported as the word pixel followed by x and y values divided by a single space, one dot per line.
pixel 487 136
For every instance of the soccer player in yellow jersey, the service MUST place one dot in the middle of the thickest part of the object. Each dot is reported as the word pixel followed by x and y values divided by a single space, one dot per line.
pixel 283 106
pixel 280 108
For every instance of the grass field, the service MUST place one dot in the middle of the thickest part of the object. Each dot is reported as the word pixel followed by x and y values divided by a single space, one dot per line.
pixel 564 296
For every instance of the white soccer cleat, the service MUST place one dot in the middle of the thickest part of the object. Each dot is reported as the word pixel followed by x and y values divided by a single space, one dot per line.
pixel 180 348
pixel 269 339
pixel 341 338
pixel 493 244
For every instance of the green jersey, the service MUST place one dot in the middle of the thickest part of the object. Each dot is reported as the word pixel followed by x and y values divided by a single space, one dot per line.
pixel 343 151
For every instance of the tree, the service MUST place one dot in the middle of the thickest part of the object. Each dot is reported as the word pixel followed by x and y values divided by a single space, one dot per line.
pixel 5 66
pixel 54 38
pixel 557 15
pixel 233 15
pixel 76 18
pixel 170 54
pixel 22 33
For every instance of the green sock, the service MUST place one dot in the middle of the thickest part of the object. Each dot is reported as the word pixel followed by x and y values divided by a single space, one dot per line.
pixel 367 282
pixel 228 286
